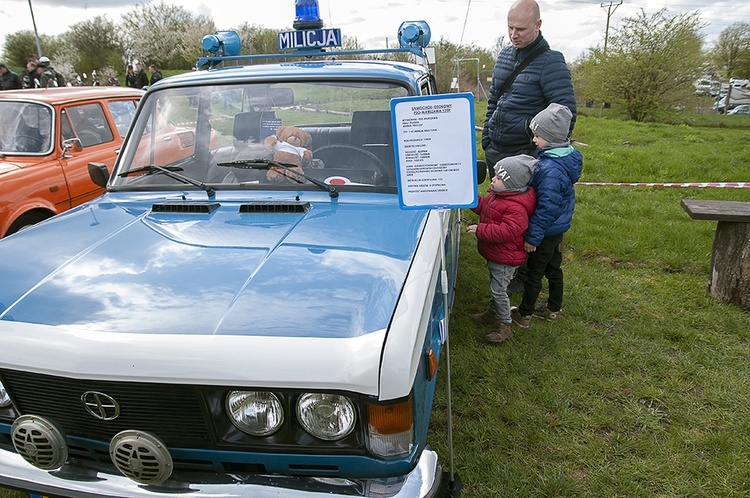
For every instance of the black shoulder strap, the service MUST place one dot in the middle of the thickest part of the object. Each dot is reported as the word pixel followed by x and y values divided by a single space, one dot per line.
pixel 509 80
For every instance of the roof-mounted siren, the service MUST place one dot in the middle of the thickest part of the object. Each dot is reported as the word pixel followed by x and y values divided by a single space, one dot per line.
pixel 222 44
pixel 307 15
pixel 414 36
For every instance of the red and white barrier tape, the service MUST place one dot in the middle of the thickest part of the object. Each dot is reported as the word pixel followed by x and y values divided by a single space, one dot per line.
pixel 693 185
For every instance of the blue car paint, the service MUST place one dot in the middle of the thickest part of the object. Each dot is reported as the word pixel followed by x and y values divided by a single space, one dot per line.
pixel 274 269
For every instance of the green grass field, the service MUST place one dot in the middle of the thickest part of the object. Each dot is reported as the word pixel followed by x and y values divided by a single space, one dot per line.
pixel 642 388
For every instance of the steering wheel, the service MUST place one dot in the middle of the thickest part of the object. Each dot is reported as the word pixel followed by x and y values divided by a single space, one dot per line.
pixel 350 157
pixel 29 143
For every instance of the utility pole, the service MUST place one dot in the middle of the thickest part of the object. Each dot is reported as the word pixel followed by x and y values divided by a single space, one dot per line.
pixel 611 8
pixel 36 35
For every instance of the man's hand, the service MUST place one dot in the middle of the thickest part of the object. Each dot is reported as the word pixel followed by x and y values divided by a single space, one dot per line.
pixel 528 247
pixel 471 229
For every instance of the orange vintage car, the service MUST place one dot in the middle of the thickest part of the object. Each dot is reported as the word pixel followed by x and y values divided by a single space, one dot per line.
pixel 47 138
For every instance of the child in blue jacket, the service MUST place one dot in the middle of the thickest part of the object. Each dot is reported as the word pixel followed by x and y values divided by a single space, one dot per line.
pixel 558 169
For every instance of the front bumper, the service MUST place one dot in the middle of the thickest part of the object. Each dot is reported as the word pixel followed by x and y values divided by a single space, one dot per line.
pixel 15 472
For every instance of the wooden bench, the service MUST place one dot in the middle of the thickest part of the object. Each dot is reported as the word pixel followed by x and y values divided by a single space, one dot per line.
pixel 729 278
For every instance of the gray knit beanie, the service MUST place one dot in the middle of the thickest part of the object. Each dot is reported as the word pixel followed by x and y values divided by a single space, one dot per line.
pixel 552 124
pixel 515 171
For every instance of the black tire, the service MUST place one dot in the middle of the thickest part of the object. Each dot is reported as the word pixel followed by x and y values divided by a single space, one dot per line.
pixel 26 220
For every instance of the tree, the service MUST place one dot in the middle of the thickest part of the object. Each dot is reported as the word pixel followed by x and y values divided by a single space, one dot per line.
pixel 21 46
pixel 732 53
pixel 459 62
pixel 156 34
pixel 193 33
pixel 93 45
pixel 649 67
pixel 257 39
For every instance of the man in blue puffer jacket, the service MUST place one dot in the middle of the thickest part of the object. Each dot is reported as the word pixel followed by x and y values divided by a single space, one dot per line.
pixel 545 80
pixel 557 171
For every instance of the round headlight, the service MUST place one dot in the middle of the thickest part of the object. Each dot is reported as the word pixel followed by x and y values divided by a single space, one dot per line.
pixel 326 416
pixel 4 397
pixel 257 413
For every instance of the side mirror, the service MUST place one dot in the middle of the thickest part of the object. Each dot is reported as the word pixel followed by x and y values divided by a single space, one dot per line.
pixel 71 144
pixel 481 172
pixel 99 174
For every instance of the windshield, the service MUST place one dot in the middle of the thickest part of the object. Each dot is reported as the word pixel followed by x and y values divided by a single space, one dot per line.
pixel 25 128
pixel 335 132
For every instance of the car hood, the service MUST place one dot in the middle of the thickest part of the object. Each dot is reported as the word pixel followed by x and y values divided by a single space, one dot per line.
pixel 324 274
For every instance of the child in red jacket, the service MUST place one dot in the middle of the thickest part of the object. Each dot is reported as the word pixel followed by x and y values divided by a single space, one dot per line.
pixel 503 219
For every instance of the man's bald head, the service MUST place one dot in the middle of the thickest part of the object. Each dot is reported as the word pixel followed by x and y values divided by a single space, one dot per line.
pixel 524 23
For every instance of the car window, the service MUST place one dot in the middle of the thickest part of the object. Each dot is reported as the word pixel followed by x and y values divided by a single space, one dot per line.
pixel 90 124
pixel 25 128
pixel 346 136
pixel 122 112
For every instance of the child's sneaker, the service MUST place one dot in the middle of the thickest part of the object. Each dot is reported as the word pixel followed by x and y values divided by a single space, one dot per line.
pixel 519 319
pixel 545 313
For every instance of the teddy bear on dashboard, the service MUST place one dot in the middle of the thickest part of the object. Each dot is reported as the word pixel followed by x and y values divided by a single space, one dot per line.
pixel 290 148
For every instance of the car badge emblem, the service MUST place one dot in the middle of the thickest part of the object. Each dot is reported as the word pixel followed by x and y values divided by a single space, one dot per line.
pixel 100 405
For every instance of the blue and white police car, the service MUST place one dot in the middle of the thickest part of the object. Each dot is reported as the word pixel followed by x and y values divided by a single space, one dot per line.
pixel 239 314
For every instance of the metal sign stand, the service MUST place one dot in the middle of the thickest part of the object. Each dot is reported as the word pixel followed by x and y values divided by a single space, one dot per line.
pixel 454 484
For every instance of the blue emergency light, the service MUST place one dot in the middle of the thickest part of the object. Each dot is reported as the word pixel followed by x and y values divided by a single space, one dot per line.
pixel 222 43
pixel 414 34
pixel 307 15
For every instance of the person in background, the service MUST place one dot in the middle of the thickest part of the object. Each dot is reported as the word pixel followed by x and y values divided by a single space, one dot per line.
pixel 503 218
pixel 29 77
pixel 49 77
pixel 130 77
pixel 559 168
pixel 141 79
pixel 112 79
pixel 155 74
pixel 8 79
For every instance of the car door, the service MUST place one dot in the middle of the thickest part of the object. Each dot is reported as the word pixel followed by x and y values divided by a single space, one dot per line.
pixel 100 139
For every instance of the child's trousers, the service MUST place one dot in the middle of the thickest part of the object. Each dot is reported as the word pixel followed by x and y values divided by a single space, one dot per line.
pixel 546 261
pixel 500 276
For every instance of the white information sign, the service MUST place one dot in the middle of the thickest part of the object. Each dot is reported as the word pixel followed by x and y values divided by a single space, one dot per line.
pixel 435 151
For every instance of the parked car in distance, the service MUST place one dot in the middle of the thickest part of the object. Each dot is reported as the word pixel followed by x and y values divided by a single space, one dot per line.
pixel 740 109
pixel 47 138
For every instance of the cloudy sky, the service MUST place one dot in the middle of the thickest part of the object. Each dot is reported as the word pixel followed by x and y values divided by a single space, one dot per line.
pixel 571 26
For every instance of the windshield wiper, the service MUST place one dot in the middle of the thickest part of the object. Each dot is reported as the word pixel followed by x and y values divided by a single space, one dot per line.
pixel 170 172
pixel 266 164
